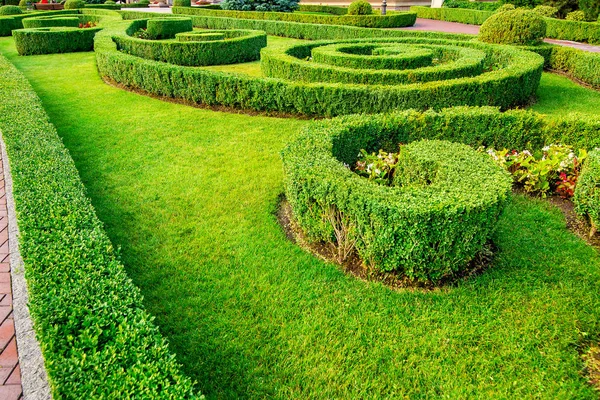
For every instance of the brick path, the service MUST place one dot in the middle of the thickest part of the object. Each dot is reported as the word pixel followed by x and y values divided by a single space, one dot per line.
pixel 454 27
pixel 10 373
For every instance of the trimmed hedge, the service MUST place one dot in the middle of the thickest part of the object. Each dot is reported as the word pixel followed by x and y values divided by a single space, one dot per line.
pixel 53 21
pixel 521 27
pixel 10 10
pixel 54 40
pixel 335 10
pixel 474 5
pixel 191 49
pixel 425 232
pixel 74 4
pixel 365 21
pixel 8 23
pixel 97 339
pixel 167 28
pixel 587 191
pixel 462 15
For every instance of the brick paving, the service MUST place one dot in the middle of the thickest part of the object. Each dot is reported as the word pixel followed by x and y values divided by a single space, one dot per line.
pixel 10 372
pixel 455 27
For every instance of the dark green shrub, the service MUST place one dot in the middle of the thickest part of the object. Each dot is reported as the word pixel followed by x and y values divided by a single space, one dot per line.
pixel 167 28
pixel 335 10
pixel 575 16
pixel 514 27
pixel 47 22
pixel 524 3
pixel 11 22
pixel 464 16
pixel 474 5
pixel 546 11
pixel 413 229
pixel 366 21
pixel 591 8
pixel 74 4
pixel 54 40
pixel 10 2
pixel 505 7
pixel 360 7
pixel 182 3
pixel 194 49
pixel 97 339
pixel 587 191
pixel 10 10
pixel 578 31
pixel 260 5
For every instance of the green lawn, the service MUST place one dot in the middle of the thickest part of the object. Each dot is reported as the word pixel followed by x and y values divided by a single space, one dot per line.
pixel 559 95
pixel 189 195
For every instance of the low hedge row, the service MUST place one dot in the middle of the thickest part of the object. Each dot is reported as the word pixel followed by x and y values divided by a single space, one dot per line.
pixel 461 61
pixel 578 31
pixel 336 10
pixel 54 40
pixel 423 230
pixel 47 22
pixel 393 227
pixel 8 23
pixel 167 28
pixel 97 339
pixel 240 46
pixel 587 191
pixel 365 21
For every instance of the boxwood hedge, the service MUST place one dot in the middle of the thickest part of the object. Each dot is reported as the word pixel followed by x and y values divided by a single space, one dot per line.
pixel 97 339
pixel 365 21
pixel 335 10
pixel 54 40
pixel 240 46
pixel 587 191
pixel 167 28
pixel 47 22
pixel 8 23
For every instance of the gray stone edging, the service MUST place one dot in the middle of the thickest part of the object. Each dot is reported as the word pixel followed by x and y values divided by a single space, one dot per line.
pixel 34 378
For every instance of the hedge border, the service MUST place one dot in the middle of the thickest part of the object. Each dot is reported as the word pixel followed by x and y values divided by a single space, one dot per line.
pixel 10 22
pixel 54 40
pixel 97 339
pixel 52 21
pixel 336 10
pixel 365 21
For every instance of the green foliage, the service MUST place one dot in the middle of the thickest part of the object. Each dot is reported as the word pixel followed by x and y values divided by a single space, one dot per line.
pixel 47 22
pixel 564 6
pixel 195 49
pixel 320 8
pixel 54 40
pixel 74 4
pixel 474 5
pixel 591 8
pixel 182 3
pixel 524 3
pixel 10 22
pixel 587 192
pixel 366 21
pixel 546 11
pixel 10 10
pixel 412 229
pixel 582 65
pixel 360 7
pixel 97 339
pixel 464 16
pixel 23 4
pixel 167 28
pixel 505 7
pixel 514 27
pixel 260 5
pixel 109 2
pixel 575 16
pixel 579 31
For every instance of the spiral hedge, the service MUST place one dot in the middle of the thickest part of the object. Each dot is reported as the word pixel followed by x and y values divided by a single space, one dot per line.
pixel 399 228
pixel 425 231
pixel 54 40
pixel 199 48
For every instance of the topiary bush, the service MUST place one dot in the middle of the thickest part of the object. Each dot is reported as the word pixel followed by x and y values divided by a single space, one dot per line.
pixel 505 7
pixel 182 3
pixel 167 28
pixel 546 11
pixel 74 4
pixel 23 4
pixel 520 27
pixel 576 16
pixel 10 10
pixel 360 7
pixel 587 191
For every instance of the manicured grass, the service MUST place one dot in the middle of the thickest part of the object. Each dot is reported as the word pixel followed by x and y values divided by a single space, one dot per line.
pixel 190 195
pixel 559 95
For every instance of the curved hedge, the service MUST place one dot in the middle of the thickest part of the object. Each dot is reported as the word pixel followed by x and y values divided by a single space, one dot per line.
pixel 195 49
pixel 423 231
pixel 97 339
pixel 317 182
pixel 47 22
pixel 366 21
pixel 54 40
pixel 167 28
pixel 10 22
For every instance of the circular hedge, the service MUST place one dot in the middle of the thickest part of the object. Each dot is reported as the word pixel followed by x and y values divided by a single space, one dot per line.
pixel 10 10
pixel 360 7
pixel 521 27
pixel 47 22
pixel 54 40
pixel 198 48
pixel 167 28
pixel 425 229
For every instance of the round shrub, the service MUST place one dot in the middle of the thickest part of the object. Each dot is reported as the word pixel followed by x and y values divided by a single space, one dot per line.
pixel 360 7
pixel 10 10
pixel 520 27
pixel 430 227
pixel 23 4
pixel 576 16
pixel 505 7
pixel 46 22
pixel 167 28
pixel 144 2
pixel 182 3
pixel 546 11
pixel 74 4
pixel 109 2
